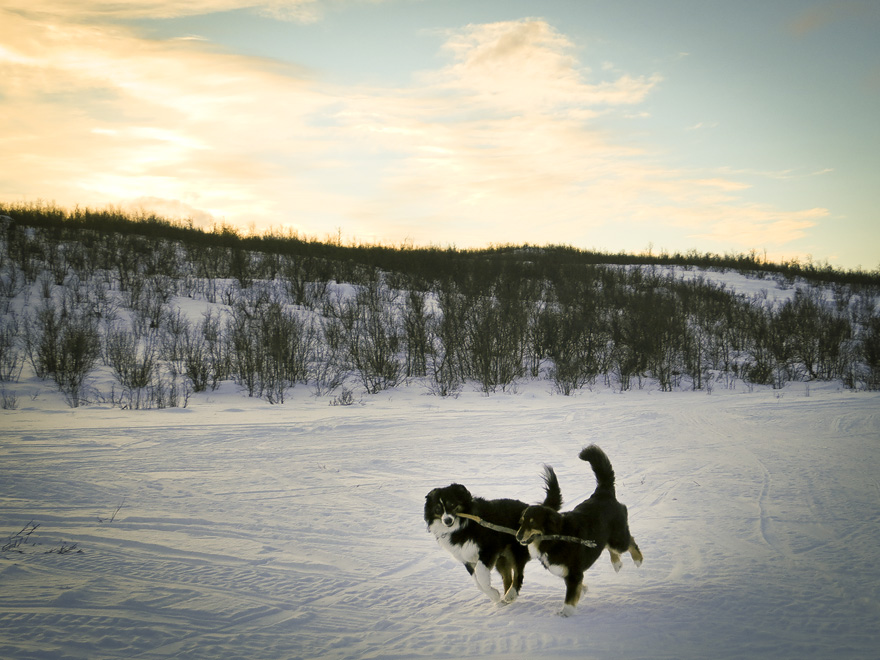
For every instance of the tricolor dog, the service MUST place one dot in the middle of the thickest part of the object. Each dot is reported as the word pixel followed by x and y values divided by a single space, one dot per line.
pixel 481 549
pixel 601 519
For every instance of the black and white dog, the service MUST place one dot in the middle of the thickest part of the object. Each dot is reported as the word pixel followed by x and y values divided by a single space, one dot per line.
pixel 481 549
pixel 601 519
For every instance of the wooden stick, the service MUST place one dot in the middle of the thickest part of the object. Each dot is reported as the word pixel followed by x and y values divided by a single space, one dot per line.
pixel 497 528
pixel 537 537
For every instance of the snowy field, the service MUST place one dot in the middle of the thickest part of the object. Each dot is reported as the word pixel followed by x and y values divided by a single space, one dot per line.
pixel 235 529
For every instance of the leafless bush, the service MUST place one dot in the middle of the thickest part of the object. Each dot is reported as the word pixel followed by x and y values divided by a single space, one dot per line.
pixel 164 390
pixel 8 400
pixel 415 326
pixel 11 284
pixel 64 345
pixel 270 347
pixel 132 358
pixel 149 300
pixel 328 369
pixel 497 328
pixel 11 355
pixel 448 339
pixel 200 353
pixel 344 398
pixel 374 340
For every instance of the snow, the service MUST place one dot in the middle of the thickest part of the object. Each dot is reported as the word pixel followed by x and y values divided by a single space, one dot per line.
pixel 233 528
pixel 237 529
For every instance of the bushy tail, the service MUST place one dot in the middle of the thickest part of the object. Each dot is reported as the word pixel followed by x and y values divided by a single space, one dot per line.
pixel 553 498
pixel 601 466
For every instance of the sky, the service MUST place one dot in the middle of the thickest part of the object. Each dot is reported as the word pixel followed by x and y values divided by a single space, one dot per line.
pixel 634 126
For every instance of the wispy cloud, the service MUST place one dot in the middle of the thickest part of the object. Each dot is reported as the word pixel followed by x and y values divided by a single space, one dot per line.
pixel 527 66
pixel 818 16
pixel 752 225
pixel 703 125
pixel 91 10
pixel 95 113
pixel 503 143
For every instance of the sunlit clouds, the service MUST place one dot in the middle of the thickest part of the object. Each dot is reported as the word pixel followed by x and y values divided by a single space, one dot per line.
pixel 526 66
pixel 512 137
pixel 96 10
pixel 97 115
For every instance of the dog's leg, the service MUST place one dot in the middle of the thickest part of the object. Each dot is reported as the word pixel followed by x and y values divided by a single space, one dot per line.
pixel 512 583
pixel 573 588
pixel 483 577
pixel 634 552
pixel 504 568
pixel 517 570
pixel 615 559
pixel 507 568
pixel 511 574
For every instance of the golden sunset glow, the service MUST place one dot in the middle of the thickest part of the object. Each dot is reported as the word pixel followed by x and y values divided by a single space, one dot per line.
pixel 470 129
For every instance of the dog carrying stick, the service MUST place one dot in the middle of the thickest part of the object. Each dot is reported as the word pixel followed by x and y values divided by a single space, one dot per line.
pixel 512 532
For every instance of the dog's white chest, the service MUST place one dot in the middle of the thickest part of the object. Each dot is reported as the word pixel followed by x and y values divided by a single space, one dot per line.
pixel 556 569
pixel 467 552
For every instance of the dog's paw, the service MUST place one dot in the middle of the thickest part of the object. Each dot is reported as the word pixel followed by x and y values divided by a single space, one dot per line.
pixel 492 592
pixel 510 596
pixel 617 565
pixel 567 610
pixel 638 562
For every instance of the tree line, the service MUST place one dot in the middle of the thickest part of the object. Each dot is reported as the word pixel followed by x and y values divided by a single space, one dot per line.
pixel 82 290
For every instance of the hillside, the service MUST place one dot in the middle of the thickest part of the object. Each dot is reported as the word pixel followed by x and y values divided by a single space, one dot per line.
pixel 141 312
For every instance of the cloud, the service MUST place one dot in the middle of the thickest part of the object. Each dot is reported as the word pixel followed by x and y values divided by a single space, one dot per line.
pixel 92 10
pixel 753 225
pixel 824 14
pixel 100 115
pixel 703 125
pixel 505 142
pixel 527 66
pixel 500 135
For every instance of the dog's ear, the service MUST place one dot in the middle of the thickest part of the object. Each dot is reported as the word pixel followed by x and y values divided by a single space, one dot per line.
pixel 429 505
pixel 461 492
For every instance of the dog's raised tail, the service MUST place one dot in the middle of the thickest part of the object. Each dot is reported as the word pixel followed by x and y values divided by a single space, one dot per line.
pixel 601 467
pixel 553 497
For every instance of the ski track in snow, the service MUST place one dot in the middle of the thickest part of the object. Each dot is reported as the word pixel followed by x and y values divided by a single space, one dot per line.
pixel 296 531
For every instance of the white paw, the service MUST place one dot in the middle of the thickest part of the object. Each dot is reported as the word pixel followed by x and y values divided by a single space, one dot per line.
pixel 637 562
pixel 567 610
pixel 510 596
pixel 493 594
pixel 617 565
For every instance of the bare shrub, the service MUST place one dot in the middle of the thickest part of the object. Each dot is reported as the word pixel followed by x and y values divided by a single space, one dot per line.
pixel 415 325
pixel 11 354
pixel 63 345
pixel 329 368
pixel 270 349
pixel 132 359
pixel 374 340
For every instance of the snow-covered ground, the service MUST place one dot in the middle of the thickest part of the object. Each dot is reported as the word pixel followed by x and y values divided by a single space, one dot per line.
pixel 236 529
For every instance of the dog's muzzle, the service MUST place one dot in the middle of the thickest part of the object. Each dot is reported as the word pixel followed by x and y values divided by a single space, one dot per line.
pixel 448 520
pixel 524 536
